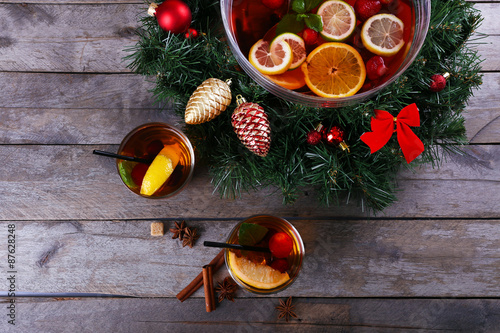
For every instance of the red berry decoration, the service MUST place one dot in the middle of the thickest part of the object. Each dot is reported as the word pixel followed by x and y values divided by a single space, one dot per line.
pixel 280 265
pixel 375 67
pixel 386 2
pixel 310 36
pixel 281 245
pixel 367 8
pixel 191 33
pixel 138 173
pixel 438 82
pixel 273 4
pixel 335 137
pixel 314 137
pixel 172 15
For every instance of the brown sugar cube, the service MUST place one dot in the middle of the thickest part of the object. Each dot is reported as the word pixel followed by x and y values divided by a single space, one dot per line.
pixel 157 229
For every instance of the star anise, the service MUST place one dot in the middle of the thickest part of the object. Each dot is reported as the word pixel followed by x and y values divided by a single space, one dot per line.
pixel 226 289
pixel 286 309
pixel 178 231
pixel 190 236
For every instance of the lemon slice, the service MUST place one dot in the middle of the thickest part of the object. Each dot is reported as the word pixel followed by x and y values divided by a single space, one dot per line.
pixel 256 275
pixel 158 172
pixel 339 20
pixel 334 70
pixel 274 58
pixel 382 34
pixel 298 48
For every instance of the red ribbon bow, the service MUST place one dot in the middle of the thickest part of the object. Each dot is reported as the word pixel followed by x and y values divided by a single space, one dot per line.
pixel 382 126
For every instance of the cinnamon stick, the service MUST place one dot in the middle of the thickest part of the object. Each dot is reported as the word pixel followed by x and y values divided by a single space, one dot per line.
pixel 197 282
pixel 208 284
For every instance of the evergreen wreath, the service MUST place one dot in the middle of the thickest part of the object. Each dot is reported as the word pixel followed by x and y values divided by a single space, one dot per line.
pixel 179 65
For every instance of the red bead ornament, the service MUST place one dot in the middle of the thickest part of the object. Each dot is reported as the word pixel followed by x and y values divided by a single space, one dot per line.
pixel 335 137
pixel 313 137
pixel 172 15
pixel 438 82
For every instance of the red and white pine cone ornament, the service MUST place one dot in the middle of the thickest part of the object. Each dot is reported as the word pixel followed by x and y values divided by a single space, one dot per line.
pixel 252 127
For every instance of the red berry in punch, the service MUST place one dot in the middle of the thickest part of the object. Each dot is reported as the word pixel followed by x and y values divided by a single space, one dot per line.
pixel 367 8
pixel 280 265
pixel 375 67
pixel 281 245
pixel 309 36
pixel 138 173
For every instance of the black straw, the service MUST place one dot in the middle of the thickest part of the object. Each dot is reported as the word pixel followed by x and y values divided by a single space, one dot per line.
pixel 122 157
pixel 237 246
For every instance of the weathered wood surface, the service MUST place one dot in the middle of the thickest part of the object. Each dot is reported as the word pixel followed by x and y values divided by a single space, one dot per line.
pixel 351 258
pixel 255 315
pixel 69 182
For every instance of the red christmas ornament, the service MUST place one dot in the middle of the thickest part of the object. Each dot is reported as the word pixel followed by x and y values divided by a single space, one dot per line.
pixel 438 82
pixel 335 137
pixel 313 137
pixel 172 15
pixel 191 33
pixel 382 126
pixel 252 127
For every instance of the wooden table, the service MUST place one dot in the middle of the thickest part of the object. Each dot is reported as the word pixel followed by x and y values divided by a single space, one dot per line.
pixel 431 261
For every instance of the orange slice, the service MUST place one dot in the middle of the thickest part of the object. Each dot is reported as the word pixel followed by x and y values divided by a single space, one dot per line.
pixel 274 58
pixel 334 70
pixel 290 79
pixel 160 169
pixel 382 34
pixel 256 275
pixel 339 20
pixel 298 48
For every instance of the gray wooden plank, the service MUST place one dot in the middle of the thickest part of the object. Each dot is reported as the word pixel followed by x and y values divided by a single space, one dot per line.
pixel 77 126
pixel 249 315
pixel 66 37
pixel 74 91
pixel 344 258
pixel 48 37
pixel 75 184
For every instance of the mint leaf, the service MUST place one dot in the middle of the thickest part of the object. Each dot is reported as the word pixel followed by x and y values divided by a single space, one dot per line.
pixel 314 21
pixel 125 169
pixel 311 4
pixel 289 23
pixel 251 233
pixel 299 6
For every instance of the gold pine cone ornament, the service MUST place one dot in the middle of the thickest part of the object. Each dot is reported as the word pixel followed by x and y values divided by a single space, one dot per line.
pixel 252 127
pixel 209 100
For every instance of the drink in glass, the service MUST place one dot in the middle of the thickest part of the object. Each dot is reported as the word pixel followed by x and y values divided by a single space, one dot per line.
pixel 147 142
pixel 262 272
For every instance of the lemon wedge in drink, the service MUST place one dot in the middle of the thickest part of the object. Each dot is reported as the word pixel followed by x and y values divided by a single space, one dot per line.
pixel 256 275
pixel 158 172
